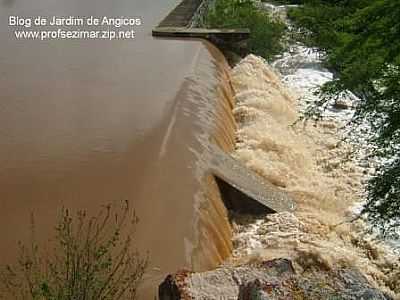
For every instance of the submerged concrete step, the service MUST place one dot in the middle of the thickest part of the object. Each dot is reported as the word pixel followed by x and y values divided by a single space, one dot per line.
pixel 245 191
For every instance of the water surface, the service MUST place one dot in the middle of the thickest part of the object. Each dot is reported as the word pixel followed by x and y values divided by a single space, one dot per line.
pixel 90 122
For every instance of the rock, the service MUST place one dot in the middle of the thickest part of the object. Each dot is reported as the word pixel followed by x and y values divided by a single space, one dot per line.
pixel 253 290
pixel 364 164
pixel 269 280
pixel 342 104
pixel 169 290
pixel 174 287
pixel 328 125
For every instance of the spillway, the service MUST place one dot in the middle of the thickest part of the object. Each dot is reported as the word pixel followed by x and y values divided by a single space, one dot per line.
pixel 91 122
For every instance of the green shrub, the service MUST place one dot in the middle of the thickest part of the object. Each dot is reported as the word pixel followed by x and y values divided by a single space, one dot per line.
pixel 265 33
pixel 92 258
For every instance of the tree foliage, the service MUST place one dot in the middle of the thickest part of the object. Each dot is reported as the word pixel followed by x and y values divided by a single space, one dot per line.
pixel 361 39
pixel 265 32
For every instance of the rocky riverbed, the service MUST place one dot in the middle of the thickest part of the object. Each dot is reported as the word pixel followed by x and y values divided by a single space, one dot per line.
pixel 270 280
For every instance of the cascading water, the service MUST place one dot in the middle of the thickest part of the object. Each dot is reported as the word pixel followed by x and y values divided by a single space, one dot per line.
pixel 308 161
pixel 302 70
pixel 110 121
pixel 212 103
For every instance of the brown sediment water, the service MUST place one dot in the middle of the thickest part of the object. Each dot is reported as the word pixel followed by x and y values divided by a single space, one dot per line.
pixel 311 163
pixel 90 122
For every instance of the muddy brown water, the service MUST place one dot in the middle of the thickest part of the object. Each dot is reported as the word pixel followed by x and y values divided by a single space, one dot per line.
pixel 90 122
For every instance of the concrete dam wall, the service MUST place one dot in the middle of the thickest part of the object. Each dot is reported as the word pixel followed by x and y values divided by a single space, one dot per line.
pixel 91 123
pixel 227 184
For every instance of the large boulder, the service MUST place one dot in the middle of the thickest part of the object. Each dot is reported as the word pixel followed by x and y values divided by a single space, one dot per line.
pixel 269 280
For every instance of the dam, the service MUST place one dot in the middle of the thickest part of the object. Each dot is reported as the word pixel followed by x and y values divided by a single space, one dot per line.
pixel 91 122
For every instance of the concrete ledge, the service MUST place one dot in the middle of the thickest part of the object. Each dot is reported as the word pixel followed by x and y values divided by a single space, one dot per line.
pixel 211 34
pixel 180 21
pixel 244 191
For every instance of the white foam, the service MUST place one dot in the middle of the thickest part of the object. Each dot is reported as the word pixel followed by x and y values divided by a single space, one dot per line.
pixel 306 161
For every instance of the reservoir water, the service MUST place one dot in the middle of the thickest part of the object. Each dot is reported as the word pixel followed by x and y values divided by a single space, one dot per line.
pixel 90 122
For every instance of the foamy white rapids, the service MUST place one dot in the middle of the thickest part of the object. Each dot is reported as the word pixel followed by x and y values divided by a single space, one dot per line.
pixel 301 69
pixel 306 160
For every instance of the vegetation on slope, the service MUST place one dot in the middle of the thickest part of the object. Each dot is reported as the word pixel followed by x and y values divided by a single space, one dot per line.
pixel 361 39
pixel 265 33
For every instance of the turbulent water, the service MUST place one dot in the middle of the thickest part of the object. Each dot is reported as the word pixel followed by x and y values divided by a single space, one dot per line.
pixel 302 70
pixel 91 122
pixel 94 129
pixel 311 162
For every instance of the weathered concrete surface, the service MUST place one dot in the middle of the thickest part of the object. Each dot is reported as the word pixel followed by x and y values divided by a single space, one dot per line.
pixel 252 187
pixel 182 15
pixel 269 280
